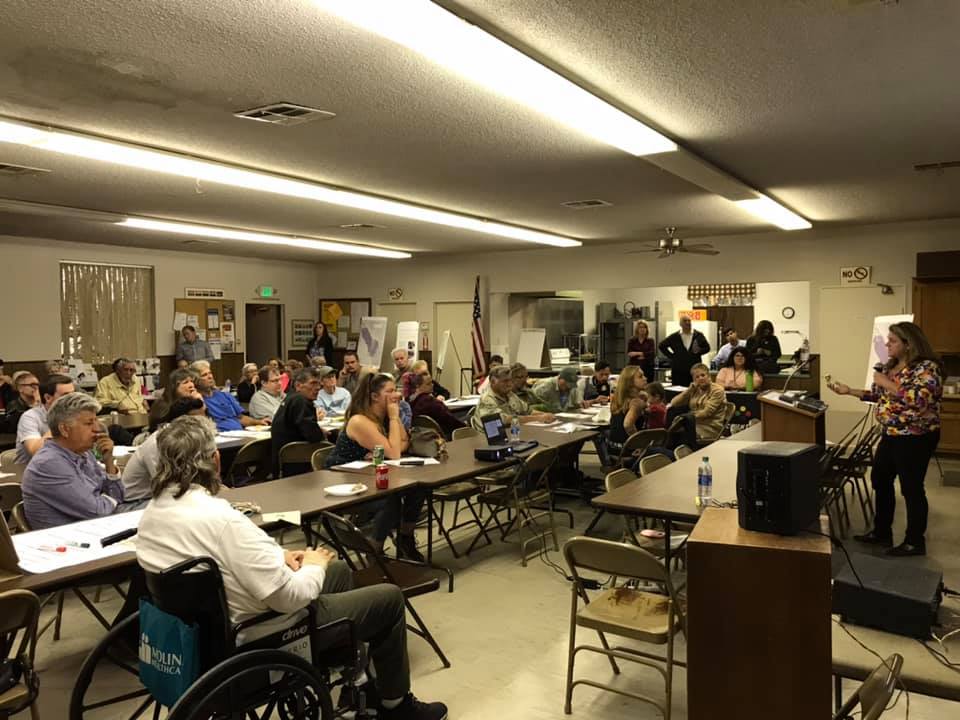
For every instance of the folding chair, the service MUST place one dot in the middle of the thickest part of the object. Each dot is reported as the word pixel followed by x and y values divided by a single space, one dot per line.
pixel 637 444
pixel 875 692
pixel 8 459
pixel 425 421
pixel 413 578
pixel 465 432
pixel 529 495
pixel 642 616
pixel 318 461
pixel 11 494
pixel 652 463
pixel 681 451
pixel 251 463
pixel 19 615
pixel 300 453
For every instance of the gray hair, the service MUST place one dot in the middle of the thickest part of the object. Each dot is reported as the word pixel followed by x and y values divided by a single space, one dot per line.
pixel 249 367
pixel 66 409
pixel 500 372
pixel 187 448
pixel 305 375
pixel 199 366
pixel 404 350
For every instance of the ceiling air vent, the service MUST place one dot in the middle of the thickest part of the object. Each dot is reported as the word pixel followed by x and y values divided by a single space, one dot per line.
pixel 285 114
pixel 20 170
pixel 586 204
pixel 362 226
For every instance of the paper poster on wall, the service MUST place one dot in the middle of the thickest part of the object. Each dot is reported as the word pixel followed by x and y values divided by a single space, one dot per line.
pixel 213 319
pixel 227 336
pixel 201 333
pixel 216 349
pixel 357 311
pixel 193 321
pixel 343 323
pixel 330 312
pixel 878 342
pixel 407 334
pixel 179 320
pixel 373 333
pixel 341 339
pixel 228 312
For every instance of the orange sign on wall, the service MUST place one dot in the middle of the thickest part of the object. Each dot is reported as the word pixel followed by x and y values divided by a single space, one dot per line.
pixel 692 314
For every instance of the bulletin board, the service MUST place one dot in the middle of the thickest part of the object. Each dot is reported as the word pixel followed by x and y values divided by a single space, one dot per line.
pixel 342 318
pixel 214 319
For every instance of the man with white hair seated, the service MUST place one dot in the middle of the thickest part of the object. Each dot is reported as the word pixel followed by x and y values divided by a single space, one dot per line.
pixel 64 482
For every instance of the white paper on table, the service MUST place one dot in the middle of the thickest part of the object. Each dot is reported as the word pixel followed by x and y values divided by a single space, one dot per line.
pixel 290 516
pixel 591 410
pixel 120 451
pixel 568 428
pixel 537 423
pixel 35 559
pixel 571 416
pixel 401 461
pixel 355 465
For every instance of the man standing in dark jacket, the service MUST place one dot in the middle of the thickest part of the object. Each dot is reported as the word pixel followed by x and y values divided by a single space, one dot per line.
pixel 684 348
pixel 296 420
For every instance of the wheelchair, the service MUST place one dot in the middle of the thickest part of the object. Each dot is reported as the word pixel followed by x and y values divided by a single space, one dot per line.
pixel 254 680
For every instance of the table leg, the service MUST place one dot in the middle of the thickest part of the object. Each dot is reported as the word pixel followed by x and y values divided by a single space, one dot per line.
pixel 430 526
pixel 666 550
pixel 837 693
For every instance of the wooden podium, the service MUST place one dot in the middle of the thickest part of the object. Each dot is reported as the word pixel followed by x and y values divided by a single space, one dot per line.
pixel 758 622
pixel 788 423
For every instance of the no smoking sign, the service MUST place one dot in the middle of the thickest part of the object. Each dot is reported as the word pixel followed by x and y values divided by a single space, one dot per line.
pixel 856 275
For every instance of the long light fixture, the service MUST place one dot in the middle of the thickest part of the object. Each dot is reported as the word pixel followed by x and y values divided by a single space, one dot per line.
pixel 129 155
pixel 458 46
pixel 773 212
pixel 257 237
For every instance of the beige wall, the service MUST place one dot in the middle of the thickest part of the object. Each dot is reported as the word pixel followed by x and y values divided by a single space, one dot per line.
pixel 31 278
pixel 815 256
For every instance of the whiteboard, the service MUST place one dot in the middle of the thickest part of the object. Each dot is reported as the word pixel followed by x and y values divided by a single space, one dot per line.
pixel 530 350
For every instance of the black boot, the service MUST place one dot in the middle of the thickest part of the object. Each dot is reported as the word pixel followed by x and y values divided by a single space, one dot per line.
pixel 407 548
pixel 873 538
pixel 907 550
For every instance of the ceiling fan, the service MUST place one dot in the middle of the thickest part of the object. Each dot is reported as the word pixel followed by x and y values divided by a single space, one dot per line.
pixel 670 245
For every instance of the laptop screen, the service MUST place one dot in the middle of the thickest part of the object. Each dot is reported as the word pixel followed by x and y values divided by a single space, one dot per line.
pixel 493 429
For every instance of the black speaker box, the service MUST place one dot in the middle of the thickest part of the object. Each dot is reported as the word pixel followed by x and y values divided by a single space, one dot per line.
pixel 778 487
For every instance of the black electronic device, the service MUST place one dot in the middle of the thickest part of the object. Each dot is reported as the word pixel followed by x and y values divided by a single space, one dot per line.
pixel 898 596
pixel 811 404
pixel 496 434
pixel 493 453
pixel 778 487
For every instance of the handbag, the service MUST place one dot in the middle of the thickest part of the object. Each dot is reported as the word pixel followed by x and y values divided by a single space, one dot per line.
pixel 426 442
pixel 169 654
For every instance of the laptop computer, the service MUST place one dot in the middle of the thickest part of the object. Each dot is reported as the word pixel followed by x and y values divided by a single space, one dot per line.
pixel 9 560
pixel 496 434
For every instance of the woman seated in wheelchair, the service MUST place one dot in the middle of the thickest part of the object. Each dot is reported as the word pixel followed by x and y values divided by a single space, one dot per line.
pixel 185 519
pixel 373 419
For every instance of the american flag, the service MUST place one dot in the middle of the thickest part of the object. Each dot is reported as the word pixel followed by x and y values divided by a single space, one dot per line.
pixel 476 335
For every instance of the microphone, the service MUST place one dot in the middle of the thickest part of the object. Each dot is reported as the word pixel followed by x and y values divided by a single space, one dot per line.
pixel 880 368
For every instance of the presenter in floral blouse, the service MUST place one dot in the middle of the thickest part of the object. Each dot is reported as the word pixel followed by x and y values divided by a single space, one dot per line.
pixel 907 395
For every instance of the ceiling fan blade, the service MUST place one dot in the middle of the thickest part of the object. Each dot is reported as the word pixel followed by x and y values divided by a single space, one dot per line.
pixel 698 251
pixel 643 249
pixel 699 246
pixel 663 255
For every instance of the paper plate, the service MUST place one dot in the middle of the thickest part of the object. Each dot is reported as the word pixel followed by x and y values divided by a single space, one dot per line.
pixel 346 489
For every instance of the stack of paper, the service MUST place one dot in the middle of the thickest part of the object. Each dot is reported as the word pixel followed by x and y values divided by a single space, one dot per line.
pixel 60 547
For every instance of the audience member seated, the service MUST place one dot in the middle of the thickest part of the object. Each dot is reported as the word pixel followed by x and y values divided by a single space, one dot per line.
pixel 191 348
pixel 8 391
pixel 416 370
pixel 296 419
pixel 321 344
pixel 55 367
pixel 641 351
pixel 684 348
pixel 518 371
pixel 733 376
pixel 558 394
pixel 628 404
pixel 120 391
pixel 500 398
pixel 186 520
pixel 350 374
pixel 33 430
pixel 222 407
pixel 181 383
pixel 332 400
pixel 703 405
pixel 495 361
pixel 266 401
pixel 290 368
pixel 247 387
pixel 723 354
pixel 64 482
pixel 401 362
pixel 137 476
pixel 28 396
pixel 596 391
pixel 374 418
pixel 764 348
pixel 656 409
pixel 423 401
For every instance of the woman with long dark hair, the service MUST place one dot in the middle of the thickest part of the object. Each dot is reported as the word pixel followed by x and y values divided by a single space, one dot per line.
pixel 733 375
pixel 180 384
pixel 764 348
pixel 907 391
pixel 321 344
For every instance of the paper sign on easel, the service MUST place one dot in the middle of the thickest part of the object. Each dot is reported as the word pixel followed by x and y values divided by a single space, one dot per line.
pixel 442 355
pixel 373 333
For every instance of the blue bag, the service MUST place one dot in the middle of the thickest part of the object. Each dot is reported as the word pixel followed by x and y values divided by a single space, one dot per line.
pixel 169 654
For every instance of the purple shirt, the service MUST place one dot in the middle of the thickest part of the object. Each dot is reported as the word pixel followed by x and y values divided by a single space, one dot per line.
pixel 61 487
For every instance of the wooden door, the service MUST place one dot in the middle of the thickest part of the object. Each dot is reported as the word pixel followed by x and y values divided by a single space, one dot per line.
pixel 934 309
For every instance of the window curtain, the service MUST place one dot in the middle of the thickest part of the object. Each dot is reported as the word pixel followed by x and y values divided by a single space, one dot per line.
pixel 106 311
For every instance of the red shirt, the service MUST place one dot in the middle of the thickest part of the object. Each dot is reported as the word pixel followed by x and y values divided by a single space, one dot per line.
pixel 656 416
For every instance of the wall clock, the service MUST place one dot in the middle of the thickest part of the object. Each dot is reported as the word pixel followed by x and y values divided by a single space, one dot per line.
pixel 788 312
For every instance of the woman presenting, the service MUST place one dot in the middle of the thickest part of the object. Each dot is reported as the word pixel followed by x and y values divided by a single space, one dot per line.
pixel 907 393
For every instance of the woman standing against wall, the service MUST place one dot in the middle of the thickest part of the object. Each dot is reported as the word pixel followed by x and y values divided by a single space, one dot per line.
pixel 321 344
pixel 641 350
pixel 907 392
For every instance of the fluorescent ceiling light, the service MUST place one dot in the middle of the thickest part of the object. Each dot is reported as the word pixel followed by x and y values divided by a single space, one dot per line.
pixel 465 49
pixel 774 213
pixel 119 153
pixel 265 238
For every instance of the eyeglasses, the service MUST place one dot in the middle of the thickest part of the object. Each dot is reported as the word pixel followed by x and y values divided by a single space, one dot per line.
pixel 33 385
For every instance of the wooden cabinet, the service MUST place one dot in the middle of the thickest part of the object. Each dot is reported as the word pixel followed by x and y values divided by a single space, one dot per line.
pixel 950 432
pixel 935 304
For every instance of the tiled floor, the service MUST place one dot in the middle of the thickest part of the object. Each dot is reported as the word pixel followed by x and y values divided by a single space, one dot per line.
pixel 505 632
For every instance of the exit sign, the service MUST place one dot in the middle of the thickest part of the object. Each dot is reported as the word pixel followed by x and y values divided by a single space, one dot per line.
pixel 267 291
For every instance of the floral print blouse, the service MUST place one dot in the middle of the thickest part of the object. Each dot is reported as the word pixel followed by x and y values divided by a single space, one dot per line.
pixel 914 408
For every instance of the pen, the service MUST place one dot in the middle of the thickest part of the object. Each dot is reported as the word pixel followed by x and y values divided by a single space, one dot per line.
pixel 405 463
pixel 48 548
pixel 77 544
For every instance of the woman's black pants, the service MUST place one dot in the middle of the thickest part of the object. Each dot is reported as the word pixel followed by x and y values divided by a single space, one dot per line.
pixel 906 456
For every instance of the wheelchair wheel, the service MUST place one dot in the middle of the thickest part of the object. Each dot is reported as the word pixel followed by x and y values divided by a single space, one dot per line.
pixel 257 685
pixel 108 684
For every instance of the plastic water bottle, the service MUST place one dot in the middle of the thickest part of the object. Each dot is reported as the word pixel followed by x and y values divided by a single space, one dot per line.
pixel 705 482
pixel 227 385
pixel 515 429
